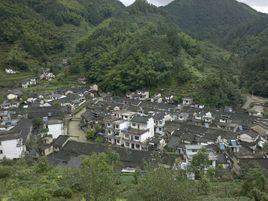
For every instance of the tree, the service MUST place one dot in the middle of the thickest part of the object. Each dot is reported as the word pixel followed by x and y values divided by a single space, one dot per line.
pixel 200 163
pixel 4 172
pixel 38 122
pixel 163 184
pixel 98 177
pixel 91 134
pixel 99 139
pixel 254 184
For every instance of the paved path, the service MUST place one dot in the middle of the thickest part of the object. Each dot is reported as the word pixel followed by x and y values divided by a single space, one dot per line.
pixel 253 99
pixel 74 128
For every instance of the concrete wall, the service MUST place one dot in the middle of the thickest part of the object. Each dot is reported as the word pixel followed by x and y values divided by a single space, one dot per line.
pixel 56 130
pixel 11 149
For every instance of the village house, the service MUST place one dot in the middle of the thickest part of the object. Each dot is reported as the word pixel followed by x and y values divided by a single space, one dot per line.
pixel 46 75
pixel 187 101
pixel 13 141
pixel 141 95
pixel 28 83
pixel 45 147
pixel 11 146
pixel 191 150
pixel 159 120
pixel 10 71
pixel 132 134
pixel 55 127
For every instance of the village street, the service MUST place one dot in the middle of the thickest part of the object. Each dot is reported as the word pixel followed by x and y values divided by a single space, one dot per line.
pixel 74 129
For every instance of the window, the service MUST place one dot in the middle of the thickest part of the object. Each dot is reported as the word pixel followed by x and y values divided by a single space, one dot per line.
pixel 133 124
pixel 0 143
pixel 1 151
pixel 137 138
pixel 127 144
pixel 138 146
pixel 127 136
pixel 117 126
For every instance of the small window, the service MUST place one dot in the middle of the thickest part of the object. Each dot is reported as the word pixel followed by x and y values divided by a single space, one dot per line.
pixel 117 126
pixel 1 151
pixel 0 143
pixel 138 146
pixel 127 144
pixel 133 124
pixel 137 138
pixel 127 136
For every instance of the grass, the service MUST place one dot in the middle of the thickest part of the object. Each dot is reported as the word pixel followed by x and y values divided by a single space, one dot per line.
pixel 7 80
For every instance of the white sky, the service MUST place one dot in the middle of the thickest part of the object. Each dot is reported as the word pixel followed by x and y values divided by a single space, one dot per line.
pixel 259 5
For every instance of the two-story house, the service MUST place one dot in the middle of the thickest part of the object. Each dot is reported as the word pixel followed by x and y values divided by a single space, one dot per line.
pixel 140 130
pixel 130 133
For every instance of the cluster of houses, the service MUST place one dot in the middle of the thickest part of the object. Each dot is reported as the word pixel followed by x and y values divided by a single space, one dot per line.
pixel 138 122
pixel 19 119
pixel 137 126
pixel 46 75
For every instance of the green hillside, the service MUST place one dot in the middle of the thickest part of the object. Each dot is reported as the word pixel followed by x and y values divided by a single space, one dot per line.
pixel 141 46
pixel 209 19
pixel 143 49
pixel 230 25
pixel 36 34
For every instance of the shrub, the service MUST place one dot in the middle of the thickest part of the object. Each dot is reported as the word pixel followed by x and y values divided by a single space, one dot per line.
pixel 63 192
pixel 4 172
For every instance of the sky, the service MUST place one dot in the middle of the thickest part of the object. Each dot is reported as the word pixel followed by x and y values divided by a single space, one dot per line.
pixel 259 5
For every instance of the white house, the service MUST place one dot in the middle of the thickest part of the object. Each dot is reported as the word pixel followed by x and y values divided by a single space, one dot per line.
pixel 192 150
pixel 187 101
pixel 141 129
pixel 132 134
pixel 29 83
pixel 12 96
pixel 10 71
pixel 11 146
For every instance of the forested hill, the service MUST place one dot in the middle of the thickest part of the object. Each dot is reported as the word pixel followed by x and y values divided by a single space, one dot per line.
pixel 233 26
pixel 143 49
pixel 227 23
pixel 210 19
pixel 36 33
pixel 128 48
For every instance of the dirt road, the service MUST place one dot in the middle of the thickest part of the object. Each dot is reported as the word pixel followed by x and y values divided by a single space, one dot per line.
pixel 74 127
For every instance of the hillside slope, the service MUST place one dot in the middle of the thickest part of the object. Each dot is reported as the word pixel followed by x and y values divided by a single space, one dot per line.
pixel 209 19
pixel 144 49
pixel 36 33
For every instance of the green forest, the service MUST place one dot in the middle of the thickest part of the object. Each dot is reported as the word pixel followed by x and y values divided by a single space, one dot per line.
pixel 183 47
pixel 98 179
